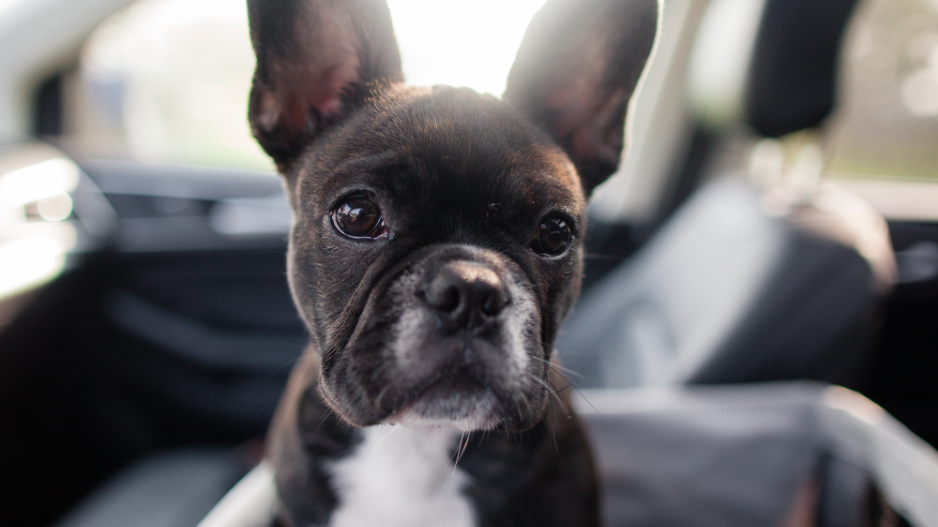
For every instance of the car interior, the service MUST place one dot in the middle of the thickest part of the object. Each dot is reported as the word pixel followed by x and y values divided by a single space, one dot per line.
pixel 755 343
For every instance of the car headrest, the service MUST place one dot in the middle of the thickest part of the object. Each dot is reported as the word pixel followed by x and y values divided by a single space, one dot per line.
pixel 771 64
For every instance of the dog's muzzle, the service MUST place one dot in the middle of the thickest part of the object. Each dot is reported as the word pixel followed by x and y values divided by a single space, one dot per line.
pixel 465 295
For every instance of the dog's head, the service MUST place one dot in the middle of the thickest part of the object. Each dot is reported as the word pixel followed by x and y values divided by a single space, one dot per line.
pixel 438 232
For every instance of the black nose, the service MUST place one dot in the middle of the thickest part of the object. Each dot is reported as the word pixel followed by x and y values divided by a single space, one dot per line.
pixel 465 294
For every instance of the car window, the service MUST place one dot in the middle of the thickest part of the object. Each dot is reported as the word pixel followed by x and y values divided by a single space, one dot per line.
pixel 168 80
pixel 887 123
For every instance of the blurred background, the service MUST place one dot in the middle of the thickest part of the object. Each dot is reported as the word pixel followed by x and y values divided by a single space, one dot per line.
pixel 143 301
pixel 167 81
pixel 887 124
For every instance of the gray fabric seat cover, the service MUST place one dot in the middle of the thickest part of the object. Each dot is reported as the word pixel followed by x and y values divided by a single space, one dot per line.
pixel 720 456
pixel 724 293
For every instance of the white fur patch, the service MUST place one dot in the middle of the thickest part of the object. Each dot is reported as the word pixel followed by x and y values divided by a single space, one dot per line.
pixel 481 417
pixel 520 317
pixel 402 477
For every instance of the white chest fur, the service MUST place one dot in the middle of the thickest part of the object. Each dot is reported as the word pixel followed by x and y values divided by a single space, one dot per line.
pixel 402 477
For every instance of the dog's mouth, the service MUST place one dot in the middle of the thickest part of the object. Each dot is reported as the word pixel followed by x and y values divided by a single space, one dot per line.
pixel 468 384
pixel 453 340
pixel 458 398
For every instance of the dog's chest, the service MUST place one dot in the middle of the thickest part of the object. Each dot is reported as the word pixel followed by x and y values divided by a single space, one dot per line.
pixel 401 477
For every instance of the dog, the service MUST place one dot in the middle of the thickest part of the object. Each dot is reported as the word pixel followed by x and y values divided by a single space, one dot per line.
pixel 436 248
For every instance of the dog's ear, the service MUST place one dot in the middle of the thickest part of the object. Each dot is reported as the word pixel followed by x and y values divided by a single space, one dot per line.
pixel 575 72
pixel 315 60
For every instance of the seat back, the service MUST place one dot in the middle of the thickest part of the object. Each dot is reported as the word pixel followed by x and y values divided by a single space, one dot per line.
pixel 726 292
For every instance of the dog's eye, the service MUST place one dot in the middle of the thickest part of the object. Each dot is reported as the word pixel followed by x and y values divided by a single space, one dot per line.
pixel 553 236
pixel 359 217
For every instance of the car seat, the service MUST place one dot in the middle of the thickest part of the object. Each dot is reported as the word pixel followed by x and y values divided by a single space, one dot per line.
pixel 783 454
pixel 761 276
pixel 737 286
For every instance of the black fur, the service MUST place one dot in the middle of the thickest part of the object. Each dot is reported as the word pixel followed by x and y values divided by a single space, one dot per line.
pixel 463 182
pixel 437 191
pixel 540 477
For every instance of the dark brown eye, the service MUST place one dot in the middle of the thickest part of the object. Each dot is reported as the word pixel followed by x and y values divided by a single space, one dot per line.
pixel 359 217
pixel 553 236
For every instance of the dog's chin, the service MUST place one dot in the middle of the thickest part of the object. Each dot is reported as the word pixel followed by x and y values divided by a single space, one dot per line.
pixel 466 406
pixel 456 402
pixel 424 415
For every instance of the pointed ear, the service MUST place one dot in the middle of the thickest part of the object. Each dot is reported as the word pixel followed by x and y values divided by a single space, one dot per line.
pixel 315 60
pixel 575 72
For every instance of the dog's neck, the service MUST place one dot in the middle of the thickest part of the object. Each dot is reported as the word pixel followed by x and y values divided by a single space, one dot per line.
pixel 331 473
pixel 401 477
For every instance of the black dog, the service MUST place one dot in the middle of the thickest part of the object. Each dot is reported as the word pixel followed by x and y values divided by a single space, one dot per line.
pixel 435 251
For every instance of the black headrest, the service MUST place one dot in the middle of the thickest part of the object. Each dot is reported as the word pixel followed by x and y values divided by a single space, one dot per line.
pixel 792 79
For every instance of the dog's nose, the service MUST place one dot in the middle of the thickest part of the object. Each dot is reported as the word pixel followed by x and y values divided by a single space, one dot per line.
pixel 466 293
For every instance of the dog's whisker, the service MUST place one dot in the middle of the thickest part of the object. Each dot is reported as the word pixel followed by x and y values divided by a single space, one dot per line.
pixel 461 449
pixel 562 376
pixel 455 455
pixel 288 365
pixel 553 433
pixel 391 431
pixel 556 367
pixel 329 413
pixel 563 405
pixel 379 371
pixel 579 392
pixel 381 395
pixel 555 394
pixel 525 405
pixel 326 395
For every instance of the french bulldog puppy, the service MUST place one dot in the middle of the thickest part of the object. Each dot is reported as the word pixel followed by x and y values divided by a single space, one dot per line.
pixel 436 248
